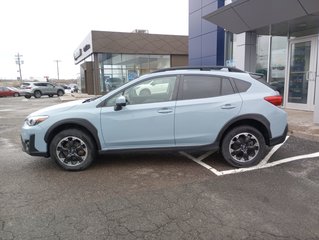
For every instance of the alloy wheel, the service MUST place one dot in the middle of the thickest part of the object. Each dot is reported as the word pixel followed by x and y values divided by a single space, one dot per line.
pixel 244 147
pixel 71 151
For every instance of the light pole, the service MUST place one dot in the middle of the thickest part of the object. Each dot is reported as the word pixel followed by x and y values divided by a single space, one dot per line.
pixel 57 67
pixel 19 61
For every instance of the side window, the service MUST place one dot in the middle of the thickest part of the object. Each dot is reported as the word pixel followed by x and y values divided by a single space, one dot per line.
pixel 227 88
pixel 39 84
pixel 195 87
pixel 111 101
pixel 241 85
pixel 150 91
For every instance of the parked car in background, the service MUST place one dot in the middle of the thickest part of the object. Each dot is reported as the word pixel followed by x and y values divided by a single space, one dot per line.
pixel 9 92
pixel 152 87
pixel 37 89
pixel 193 108
pixel 74 88
pixel 19 90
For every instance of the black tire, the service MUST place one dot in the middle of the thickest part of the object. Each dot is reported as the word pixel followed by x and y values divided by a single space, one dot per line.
pixel 60 93
pixel 37 94
pixel 50 95
pixel 16 94
pixel 73 149
pixel 27 96
pixel 243 146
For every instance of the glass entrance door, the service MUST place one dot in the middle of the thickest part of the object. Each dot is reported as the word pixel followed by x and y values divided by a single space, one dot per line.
pixel 301 74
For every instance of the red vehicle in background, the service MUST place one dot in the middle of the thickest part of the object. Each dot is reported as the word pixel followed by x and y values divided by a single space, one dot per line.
pixel 9 92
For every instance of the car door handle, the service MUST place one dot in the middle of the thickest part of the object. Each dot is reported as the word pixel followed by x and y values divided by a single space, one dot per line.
pixel 165 110
pixel 228 106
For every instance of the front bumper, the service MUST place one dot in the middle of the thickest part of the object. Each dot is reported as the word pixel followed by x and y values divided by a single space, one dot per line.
pixel 28 147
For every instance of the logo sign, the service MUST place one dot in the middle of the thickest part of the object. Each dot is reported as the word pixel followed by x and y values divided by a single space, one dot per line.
pixel 86 47
pixel 77 54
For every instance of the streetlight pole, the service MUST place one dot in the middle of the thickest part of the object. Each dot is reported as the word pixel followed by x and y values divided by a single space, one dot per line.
pixel 19 61
pixel 57 67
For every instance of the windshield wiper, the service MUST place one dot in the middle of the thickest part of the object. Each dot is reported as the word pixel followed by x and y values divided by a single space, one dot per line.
pixel 90 99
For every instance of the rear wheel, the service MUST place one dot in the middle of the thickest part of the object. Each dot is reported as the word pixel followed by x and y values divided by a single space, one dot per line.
pixel 37 94
pixel 60 93
pixel 145 92
pixel 73 149
pixel 243 146
pixel 27 96
pixel 16 94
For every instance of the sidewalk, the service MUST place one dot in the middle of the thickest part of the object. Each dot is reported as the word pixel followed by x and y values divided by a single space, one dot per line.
pixel 300 122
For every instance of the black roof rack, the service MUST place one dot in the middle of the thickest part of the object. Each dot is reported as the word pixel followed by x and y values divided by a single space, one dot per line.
pixel 201 68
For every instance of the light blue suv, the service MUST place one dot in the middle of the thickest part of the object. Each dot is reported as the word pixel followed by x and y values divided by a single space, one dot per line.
pixel 193 108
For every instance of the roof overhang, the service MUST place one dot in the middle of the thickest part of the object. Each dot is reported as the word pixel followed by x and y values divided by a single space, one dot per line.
pixel 285 16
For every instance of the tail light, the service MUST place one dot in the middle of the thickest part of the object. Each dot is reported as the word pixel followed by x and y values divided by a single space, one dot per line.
pixel 28 87
pixel 275 100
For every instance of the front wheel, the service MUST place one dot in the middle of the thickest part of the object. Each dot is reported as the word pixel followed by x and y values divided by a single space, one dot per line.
pixel 73 149
pixel 27 96
pixel 243 146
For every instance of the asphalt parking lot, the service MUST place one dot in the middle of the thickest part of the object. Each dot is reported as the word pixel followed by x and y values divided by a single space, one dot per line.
pixel 155 195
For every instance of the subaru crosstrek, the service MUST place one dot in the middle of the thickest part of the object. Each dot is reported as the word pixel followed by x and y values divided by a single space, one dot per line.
pixel 196 108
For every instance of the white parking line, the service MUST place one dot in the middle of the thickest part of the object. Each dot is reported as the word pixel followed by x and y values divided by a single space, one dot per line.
pixel 200 159
pixel 272 164
pixel 263 164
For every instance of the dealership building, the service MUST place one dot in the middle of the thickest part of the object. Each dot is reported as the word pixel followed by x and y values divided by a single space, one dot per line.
pixel 278 38
pixel 109 59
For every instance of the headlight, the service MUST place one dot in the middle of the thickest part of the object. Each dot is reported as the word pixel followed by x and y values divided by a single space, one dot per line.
pixel 32 121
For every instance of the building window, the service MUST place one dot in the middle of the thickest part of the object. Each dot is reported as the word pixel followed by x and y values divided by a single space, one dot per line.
pixel 117 69
pixel 229 46
pixel 275 69
pixel 262 55
pixel 278 63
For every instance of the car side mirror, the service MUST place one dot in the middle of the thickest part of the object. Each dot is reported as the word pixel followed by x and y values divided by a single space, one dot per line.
pixel 120 102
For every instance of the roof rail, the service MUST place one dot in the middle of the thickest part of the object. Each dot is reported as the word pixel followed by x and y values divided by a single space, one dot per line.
pixel 201 68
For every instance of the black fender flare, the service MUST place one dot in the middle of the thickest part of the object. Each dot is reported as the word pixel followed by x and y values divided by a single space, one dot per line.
pixel 247 119
pixel 77 122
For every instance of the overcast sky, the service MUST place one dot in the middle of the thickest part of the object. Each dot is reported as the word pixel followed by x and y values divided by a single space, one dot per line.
pixel 47 30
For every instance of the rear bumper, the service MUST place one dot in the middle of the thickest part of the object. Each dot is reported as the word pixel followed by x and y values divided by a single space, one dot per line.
pixel 280 139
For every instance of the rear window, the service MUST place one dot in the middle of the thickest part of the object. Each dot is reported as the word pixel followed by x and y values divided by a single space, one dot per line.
pixel 241 85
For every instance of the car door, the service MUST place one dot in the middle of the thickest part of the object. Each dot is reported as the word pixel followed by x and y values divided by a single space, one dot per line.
pixel 205 104
pixel 48 88
pixel 145 122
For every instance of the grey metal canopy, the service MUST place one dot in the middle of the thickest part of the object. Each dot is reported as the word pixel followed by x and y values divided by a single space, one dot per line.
pixel 293 16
